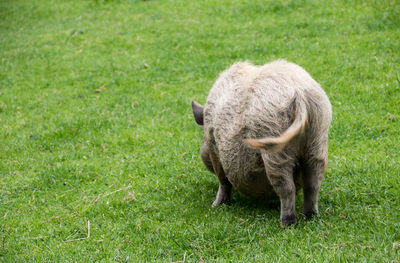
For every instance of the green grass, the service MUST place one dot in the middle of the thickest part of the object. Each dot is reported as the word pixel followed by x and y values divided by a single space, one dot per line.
pixel 126 158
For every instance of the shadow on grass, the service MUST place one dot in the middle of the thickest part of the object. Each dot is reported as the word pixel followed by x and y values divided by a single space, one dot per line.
pixel 239 203
pixel 239 200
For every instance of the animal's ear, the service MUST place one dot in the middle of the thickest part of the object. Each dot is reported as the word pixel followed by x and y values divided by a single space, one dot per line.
pixel 197 112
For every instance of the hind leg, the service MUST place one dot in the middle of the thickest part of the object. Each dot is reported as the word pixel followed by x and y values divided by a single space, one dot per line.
pixel 313 167
pixel 280 174
pixel 312 173
pixel 225 187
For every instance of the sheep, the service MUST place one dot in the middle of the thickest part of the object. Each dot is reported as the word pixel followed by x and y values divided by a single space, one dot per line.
pixel 266 134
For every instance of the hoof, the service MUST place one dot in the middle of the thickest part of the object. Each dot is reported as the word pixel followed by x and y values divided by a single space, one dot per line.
pixel 219 202
pixel 288 220
pixel 223 197
pixel 307 215
pixel 215 203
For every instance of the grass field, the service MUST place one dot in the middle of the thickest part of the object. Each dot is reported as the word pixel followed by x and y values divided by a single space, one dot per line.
pixel 99 152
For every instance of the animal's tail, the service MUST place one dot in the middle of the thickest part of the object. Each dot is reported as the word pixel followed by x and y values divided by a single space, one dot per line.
pixel 275 144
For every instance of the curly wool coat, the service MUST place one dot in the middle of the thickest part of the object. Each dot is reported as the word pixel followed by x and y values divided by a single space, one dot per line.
pixel 266 134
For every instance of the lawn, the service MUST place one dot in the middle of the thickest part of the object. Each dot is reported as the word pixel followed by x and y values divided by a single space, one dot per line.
pixel 99 152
